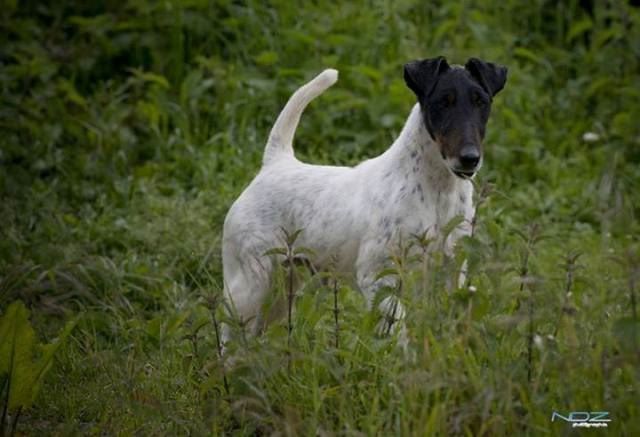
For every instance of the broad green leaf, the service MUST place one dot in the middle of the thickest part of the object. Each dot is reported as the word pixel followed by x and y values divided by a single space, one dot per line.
pixel 150 77
pixel 368 71
pixel 446 28
pixel 303 251
pixel 154 328
pixel 601 83
pixel 276 251
pixel 71 93
pixel 175 322
pixel 266 58
pixel 16 354
pixel 299 36
pixel 578 28
pixel 523 53
pixel 291 238
pixel 23 361
pixel 47 354
pixel 451 225
pixel 387 272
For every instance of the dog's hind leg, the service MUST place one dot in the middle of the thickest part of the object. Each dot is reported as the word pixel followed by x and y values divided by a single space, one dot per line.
pixel 247 280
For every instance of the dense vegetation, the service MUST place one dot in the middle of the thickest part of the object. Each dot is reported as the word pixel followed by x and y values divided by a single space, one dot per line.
pixel 129 127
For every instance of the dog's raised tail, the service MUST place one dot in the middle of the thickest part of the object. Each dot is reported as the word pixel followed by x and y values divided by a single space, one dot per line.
pixel 281 137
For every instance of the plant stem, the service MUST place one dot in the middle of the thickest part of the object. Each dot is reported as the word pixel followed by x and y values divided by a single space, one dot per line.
pixel 14 425
pixel 483 195
pixel 290 302
pixel 4 416
pixel 336 311
pixel 391 318
pixel 530 340
pixel 219 346
pixel 290 294
pixel 632 295
pixel 571 263
pixel 5 408
pixel 524 271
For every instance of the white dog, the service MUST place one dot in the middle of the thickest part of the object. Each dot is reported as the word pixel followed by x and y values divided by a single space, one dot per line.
pixel 352 216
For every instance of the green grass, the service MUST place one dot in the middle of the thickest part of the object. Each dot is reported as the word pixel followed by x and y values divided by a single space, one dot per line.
pixel 128 128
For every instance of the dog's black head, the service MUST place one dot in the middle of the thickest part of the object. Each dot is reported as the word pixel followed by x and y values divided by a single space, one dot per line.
pixel 455 105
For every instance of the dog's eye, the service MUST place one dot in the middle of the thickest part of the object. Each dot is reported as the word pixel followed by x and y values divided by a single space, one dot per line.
pixel 447 101
pixel 480 101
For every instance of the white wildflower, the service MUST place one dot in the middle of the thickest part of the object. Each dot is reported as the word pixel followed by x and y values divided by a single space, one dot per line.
pixel 537 340
pixel 590 137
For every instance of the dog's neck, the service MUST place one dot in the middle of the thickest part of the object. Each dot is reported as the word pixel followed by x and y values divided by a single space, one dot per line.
pixel 416 155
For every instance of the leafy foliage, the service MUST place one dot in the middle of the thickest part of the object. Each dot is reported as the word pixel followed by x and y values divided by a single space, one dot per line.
pixel 23 362
pixel 128 128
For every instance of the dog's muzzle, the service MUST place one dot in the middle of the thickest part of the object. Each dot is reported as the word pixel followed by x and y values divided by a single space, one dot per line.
pixel 463 174
pixel 467 162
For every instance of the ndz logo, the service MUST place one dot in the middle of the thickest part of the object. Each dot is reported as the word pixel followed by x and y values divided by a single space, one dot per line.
pixel 584 419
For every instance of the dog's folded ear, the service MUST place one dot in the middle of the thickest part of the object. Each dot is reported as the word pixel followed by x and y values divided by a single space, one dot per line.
pixel 491 77
pixel 421 76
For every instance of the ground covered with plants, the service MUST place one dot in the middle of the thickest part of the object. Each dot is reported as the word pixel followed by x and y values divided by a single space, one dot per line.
pixel 128 128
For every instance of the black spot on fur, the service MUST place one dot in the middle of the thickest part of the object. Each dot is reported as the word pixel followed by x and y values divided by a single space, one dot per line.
pixel 386 223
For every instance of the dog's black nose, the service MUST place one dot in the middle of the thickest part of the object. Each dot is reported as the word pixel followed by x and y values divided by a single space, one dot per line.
pixel 469 157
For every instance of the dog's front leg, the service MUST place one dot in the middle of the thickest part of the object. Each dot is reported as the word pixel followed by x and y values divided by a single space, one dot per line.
pixel 463 230
pixel 389 308
pixel 462 276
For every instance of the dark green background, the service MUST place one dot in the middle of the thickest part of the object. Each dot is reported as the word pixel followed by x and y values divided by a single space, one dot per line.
pixel 127 128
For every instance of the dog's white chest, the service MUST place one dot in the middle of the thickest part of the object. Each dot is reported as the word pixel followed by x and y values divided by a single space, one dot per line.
pixel 422 212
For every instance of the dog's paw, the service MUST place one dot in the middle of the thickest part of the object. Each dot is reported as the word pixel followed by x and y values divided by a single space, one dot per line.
pixel 392 314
